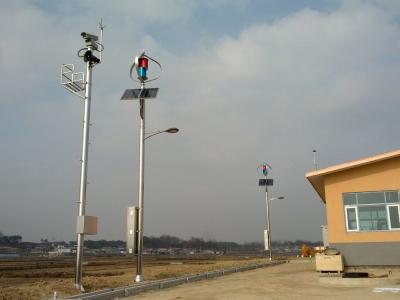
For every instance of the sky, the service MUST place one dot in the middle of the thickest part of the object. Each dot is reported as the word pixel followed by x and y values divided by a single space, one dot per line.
pixel 245 81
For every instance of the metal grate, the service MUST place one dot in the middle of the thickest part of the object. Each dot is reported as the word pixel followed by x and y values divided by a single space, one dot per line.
pixel 72 81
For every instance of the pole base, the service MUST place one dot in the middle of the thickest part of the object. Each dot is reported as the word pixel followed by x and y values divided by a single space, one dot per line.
pixel 79 287
pixel 139 278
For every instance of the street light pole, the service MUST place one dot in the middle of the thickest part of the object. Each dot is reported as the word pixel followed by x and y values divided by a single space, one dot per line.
pixel 267 182
pixel 267 236
pixel 268 220
pixel 139 275
pixel 140 65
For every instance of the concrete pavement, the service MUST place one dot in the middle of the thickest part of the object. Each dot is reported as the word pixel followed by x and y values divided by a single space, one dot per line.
pixel 295 280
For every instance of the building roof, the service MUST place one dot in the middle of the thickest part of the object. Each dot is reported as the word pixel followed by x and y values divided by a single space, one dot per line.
pixel 316 178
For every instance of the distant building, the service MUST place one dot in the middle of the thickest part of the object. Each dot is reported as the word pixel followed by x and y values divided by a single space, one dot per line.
pixel 363 208
pixel 64 250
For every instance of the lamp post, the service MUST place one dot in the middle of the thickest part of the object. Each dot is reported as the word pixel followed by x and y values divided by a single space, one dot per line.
pixel 134 227
pixel 141 65
pixel 269 221
pixel 267 182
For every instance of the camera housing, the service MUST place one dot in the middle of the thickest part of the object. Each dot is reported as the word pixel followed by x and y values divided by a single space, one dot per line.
pixel 90 40
pixel 88 36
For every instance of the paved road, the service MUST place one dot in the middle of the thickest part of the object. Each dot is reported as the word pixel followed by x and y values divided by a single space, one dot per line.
pixel 295 280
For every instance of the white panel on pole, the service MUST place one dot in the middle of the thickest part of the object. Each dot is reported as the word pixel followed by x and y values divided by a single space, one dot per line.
pixel 266 244
pixel 132 230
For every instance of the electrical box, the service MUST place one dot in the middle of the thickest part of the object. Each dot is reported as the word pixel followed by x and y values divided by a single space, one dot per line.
pixel 86 225
pixel 132 230
pixel 329 263
pixel 266 244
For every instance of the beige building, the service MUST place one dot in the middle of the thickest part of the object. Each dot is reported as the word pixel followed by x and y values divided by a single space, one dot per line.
pixel 363 208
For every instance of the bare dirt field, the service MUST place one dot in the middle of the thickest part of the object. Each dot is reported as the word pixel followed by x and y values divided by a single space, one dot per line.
pixel 294 280
pixel 38 278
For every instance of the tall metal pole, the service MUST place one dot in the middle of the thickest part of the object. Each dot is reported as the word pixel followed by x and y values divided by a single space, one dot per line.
pixel 140 65
pixel 268 220
pixel 139 275
pixel 84 163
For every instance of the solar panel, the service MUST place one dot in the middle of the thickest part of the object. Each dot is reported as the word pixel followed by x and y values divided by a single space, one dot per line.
pixel 264 182
pixel 139 93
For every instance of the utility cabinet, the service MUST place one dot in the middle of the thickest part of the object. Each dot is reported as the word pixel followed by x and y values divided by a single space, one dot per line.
pixel 329 263
pixel 132 230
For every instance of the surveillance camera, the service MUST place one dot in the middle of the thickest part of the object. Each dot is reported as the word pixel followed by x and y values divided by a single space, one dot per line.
pixel 88 36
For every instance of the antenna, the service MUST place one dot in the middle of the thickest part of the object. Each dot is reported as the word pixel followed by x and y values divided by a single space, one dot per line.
pixel 315 159
pixel 101 26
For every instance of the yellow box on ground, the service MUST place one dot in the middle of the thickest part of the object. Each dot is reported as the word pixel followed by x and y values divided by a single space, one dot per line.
pixel 329 263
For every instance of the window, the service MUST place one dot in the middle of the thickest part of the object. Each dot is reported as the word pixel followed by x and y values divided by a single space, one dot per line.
pixel 394 216
pixel 351 218
pixel 372 211
pixel 372 217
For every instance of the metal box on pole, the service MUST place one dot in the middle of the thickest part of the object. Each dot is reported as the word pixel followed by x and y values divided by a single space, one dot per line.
pixel 132 230
pixel 86 225
pixel 266 240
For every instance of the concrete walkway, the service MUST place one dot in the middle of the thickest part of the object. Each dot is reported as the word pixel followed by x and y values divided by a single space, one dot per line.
pixel 295 280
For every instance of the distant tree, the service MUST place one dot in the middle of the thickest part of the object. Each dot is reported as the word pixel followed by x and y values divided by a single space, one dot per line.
pixel 103 243
pixel 10 240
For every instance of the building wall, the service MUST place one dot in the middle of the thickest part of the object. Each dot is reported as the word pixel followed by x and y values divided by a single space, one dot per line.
pixel 384 175
pixel 369 254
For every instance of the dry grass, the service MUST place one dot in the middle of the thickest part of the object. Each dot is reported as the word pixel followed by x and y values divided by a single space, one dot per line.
pixel 39 279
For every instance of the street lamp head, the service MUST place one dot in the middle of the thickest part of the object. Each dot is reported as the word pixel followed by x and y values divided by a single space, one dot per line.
pixel 276 198
pixel 172 130
pixel 169 130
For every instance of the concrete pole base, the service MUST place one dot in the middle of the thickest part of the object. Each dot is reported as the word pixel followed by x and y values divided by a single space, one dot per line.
pixel 139 278
pixel 79 287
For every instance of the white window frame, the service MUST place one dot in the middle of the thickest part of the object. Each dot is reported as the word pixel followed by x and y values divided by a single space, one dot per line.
pixel 388 214
pixel 347 220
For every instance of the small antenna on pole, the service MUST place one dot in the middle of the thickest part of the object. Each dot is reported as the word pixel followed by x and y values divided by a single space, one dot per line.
pixel 315 159
pixel 101 26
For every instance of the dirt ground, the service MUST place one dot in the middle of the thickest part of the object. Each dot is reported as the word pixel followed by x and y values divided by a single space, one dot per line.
pixel 35 278
pixel 294 280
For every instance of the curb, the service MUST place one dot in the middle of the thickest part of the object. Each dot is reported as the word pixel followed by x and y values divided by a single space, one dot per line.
pixel 113 293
